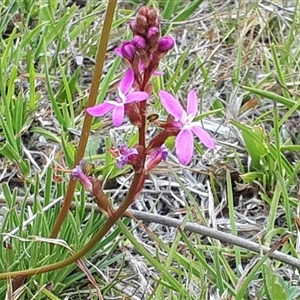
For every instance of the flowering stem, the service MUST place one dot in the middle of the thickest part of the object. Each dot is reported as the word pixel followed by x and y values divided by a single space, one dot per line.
pixel 129 199
pixel 142 129
pixel 143 107
pixel 90 245
pixel 101 55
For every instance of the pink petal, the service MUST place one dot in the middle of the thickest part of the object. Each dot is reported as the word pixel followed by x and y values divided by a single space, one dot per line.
pixel 100 110
pixel 141 66
pixel 127 81
pixel 136 96
pixel 119 52
pixel 192 103
pixel 118 115
pixel 184 144
pixel 172 106
pixel 204 136
pixel 157 73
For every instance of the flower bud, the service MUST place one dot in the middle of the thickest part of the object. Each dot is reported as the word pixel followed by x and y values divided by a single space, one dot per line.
pixel 141 25
pixel 118 51
pixel 139 42
pixel 133 26
pixel 149 88
pixel 165 44
pixel 152 33
pixel 152 38
pixel 133 114
pixel 156 157
pixel 156 23
pixel 152 17
pixel 101 199
pixel 128 50
pixel 144 11
pixel 158 140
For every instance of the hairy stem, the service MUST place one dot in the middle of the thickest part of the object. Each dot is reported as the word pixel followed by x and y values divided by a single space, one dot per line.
pixel 101 55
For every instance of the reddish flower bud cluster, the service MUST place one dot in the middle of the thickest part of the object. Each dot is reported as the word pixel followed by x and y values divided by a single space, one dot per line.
pixel 146 48
pixel 142 54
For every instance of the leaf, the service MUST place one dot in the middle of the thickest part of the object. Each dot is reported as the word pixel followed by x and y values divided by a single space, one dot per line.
pixel 93 145
pixel 254 139
pixel 270 95
pixel 169 9
pixel 188 11
pixel 274 290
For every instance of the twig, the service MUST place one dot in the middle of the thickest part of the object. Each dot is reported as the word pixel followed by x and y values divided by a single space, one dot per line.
pixel 191 227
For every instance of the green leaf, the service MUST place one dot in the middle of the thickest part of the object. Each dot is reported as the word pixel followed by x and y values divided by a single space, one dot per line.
pixel 69 151
pixel 188 11
pixel 93 145
pixel 46 133
pixel 270 95
pixel 251 176
pixel 178 71
pixel 274 290
pixel 169 9
pixel 255 147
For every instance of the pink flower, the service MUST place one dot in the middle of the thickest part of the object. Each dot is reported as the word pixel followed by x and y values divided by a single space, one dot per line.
pixel 156 157
pixel 125 96
pixel 184 142
pixel 125 155
pixel 84 180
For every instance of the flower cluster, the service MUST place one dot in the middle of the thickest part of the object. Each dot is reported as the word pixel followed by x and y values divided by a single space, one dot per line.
pixel 142 55
pixel 146 48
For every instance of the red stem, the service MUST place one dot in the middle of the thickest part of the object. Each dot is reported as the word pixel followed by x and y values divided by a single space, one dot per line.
pixel 143 106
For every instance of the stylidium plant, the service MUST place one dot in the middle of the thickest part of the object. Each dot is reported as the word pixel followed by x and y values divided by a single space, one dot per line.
pixel 142 55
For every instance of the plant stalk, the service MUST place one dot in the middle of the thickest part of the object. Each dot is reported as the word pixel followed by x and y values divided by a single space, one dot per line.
pixel 101 55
